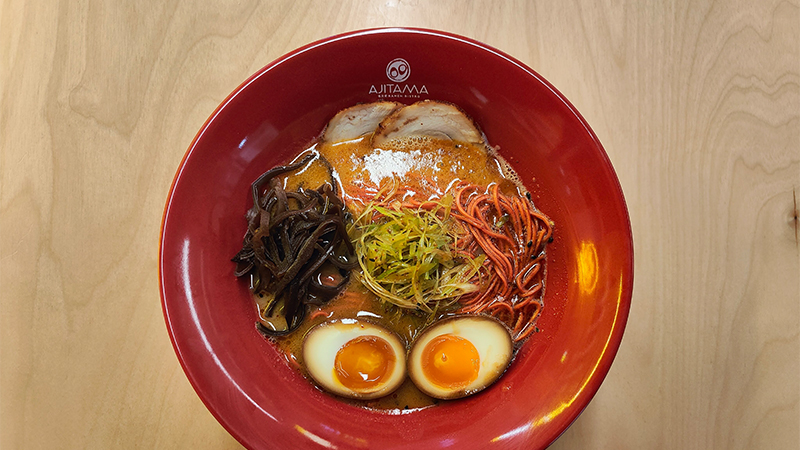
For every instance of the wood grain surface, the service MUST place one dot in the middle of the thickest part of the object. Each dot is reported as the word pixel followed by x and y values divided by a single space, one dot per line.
pixel 696 102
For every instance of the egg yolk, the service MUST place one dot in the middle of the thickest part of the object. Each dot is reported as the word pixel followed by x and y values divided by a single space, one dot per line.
pixel 450 361
pixel 364 363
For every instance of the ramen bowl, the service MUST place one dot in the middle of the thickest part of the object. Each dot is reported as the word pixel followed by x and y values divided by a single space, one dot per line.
pixel 245 381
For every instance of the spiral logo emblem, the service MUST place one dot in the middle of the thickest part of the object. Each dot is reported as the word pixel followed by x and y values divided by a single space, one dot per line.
pixel 398 70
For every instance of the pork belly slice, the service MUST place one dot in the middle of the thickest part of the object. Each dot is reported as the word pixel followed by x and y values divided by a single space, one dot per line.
pixel 428 118
pixel 356 121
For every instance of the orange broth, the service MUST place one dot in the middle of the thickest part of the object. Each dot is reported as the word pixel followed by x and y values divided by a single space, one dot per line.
pixel 425 168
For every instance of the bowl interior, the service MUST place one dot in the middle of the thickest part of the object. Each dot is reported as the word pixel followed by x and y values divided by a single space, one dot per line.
pixel 241 377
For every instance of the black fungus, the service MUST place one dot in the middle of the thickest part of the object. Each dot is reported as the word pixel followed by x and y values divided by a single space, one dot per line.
pixel 292 236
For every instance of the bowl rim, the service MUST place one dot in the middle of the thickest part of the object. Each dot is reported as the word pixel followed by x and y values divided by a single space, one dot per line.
pixel 615 336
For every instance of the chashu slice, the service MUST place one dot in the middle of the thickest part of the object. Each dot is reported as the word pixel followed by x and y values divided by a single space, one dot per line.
pixel 356 121
pixel 428 118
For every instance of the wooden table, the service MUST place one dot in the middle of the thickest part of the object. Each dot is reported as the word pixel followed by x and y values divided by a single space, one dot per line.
pixel 697 104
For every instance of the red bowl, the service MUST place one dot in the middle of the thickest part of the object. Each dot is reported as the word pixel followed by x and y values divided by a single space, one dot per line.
pixel 241 377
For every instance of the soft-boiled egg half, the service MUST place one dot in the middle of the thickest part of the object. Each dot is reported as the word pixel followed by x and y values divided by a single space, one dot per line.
pixel 354 358
pixel 459 356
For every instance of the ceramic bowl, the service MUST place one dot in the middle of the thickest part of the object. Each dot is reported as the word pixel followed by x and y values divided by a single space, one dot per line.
pixel 242 378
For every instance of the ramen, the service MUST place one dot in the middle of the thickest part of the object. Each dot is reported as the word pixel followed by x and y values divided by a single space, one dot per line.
pixel 397 261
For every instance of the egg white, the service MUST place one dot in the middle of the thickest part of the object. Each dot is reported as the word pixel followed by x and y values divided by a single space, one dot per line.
pixel 323 342
pixel 491 339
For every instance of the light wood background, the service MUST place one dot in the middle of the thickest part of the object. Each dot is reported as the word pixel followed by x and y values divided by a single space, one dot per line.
pixel 696 102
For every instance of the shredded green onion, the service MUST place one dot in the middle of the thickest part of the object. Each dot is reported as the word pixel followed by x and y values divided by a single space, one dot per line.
pixel 407 255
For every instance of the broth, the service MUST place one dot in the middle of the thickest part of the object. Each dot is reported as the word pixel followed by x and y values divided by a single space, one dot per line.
pixel 425 168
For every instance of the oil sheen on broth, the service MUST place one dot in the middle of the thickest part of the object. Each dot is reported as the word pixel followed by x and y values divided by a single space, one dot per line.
pixel 424 168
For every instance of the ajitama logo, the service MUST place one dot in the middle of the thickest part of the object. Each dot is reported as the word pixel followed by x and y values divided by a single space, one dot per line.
pixel 398 70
